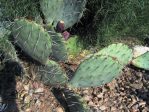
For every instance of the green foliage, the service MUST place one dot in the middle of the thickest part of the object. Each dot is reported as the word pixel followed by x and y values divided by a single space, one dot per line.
pixel 123 18
pixel 142 61
pixel 70 11
pixel 11 9
pixel 73 46
pixel 32 39
pixel 51 74
pixel 110 20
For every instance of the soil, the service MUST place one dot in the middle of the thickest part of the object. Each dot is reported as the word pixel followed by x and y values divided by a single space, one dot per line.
pixel 128 93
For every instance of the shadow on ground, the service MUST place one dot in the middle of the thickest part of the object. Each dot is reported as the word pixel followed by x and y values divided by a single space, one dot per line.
pixel 143 93
pixel 8 92
pixel 139 83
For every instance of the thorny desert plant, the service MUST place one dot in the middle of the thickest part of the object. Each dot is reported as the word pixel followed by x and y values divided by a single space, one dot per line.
pixel 47 47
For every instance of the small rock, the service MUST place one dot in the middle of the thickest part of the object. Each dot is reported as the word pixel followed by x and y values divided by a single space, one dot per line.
pixel 28 110
pixel 137 86
pixel 87 98
pixel 113 109
pixel 26 87
pixel 59 109
pixel 85 92
pixel 38 102
pixel 135 107
pixel 39 90
pixel 103 107
pixel 100 95
pixel 91 103
pixel 27 99
pixel 142 103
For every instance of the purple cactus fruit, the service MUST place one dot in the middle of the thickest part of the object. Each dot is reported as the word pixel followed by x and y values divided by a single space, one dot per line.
pixel 60 26
pixel 66 35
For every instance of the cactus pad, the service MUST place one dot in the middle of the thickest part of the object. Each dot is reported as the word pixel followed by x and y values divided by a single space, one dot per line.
pixel 74 101
pixel 59 52
pixel 8 58
pixel 120 52
pixel 32 39
pixel 3 30
pixel 69 11
pixel 7 50
pixel 51 74
pixel 142 61
pixel 95 71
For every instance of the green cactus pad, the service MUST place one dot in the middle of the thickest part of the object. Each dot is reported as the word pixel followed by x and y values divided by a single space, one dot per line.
pixel 74 101
pixel 96 71
pixel 142 61
pixel 8 58
pixel 59 52
pixel 51 74
pixel 73 46
pixel 32 39
pixel 120 52
pixel 3 30
pixel 69 11
pixel 7 50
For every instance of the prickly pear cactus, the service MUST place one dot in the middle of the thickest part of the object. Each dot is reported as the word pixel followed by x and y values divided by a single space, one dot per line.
pixel 142 61
pixel 32 39
pixel 103 66
pixel 51 74
pixel 74 102
pixel 96 71
pixel 69 11
pixel 3 30
pixel 9 62
pixel 7 50
pixel 120 52
pixel 58 47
